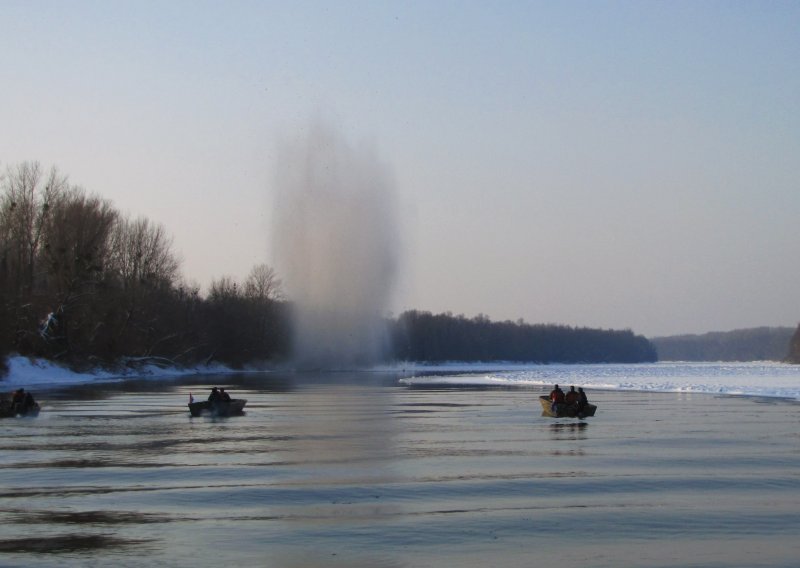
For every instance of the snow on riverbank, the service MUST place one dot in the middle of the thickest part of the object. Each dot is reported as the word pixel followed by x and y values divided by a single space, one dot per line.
pixel 39 373
pixel 752 379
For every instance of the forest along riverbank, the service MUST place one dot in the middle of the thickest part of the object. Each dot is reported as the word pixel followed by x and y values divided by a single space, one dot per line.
pixel 365 474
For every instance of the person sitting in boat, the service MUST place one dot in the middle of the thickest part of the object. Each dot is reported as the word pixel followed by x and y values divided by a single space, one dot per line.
pixel 557 395
pixel 18 401
pixel 572 396
pixel 223 396
pixel 582 400
pixel 215 396
pixel 28 403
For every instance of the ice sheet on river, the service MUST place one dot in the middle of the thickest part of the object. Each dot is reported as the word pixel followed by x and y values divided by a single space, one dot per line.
pixel 753 379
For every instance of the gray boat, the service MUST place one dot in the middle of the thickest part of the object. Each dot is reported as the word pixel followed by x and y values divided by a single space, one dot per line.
pixel 218 408
pixel 564 410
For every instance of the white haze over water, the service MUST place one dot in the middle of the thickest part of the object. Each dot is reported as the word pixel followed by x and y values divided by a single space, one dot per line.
pixel 336 247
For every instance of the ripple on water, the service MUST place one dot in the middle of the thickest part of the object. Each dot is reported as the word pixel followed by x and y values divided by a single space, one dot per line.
pixel 322 476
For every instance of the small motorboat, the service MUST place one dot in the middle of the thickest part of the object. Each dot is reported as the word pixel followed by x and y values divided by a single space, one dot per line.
pixel 10 409
pixel 218 408
pixel 563 410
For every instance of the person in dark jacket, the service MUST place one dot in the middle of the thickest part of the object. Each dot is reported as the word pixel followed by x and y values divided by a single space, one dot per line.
pixel 18 401
pixel 556 397
pixel 572 396
pixel 582 400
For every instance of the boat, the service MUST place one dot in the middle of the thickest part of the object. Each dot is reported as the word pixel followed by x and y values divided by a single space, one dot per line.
pixel 9 410
pixel 563 410
pixel 218 408
pixel 6 411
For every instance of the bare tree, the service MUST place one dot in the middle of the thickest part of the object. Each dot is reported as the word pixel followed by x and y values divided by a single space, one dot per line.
pixel 26 198
pixel 224 289
pixel 25 206
pixel 264 293
pixel 144 270
pixel 263 284
pixel 141 254
pixel 76 237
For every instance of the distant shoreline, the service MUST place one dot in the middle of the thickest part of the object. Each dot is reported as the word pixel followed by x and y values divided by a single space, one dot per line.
pixel 771 380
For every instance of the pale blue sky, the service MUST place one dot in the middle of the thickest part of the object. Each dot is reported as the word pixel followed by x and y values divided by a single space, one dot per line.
pixel 612 164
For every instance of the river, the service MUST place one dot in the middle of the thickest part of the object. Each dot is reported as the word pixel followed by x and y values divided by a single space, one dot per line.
pixel 355 469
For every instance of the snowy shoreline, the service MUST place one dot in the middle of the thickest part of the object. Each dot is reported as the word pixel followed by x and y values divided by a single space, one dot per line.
pixel 759 379
pixel 763 379
pixel 40 373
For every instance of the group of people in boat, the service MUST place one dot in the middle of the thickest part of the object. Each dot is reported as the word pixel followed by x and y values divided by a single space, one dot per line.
pixel 557 396
pixel 218 395
pixel 18 402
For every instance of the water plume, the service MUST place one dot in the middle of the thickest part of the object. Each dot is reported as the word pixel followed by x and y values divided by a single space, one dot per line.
pixel 335 247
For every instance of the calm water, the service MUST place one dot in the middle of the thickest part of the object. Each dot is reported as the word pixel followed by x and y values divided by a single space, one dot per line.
pixel 370 473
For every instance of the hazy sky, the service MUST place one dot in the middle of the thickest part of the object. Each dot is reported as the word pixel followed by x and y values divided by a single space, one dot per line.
pixel 608 164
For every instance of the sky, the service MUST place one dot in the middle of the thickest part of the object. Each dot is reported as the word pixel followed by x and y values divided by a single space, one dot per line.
pixel 603 164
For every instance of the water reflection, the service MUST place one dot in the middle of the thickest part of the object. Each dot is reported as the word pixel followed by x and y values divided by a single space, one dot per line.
pixel 67 543
pixel 345 425
pixel 24 516
pixel 561 426
pixel 567 431
pixel 361 474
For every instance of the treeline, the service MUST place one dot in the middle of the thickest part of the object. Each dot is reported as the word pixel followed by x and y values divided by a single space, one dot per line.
pixel 83 284
pixel 754 344
pixel 422 336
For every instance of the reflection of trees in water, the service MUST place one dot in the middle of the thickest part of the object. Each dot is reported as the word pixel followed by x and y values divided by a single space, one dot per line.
pixel 67 543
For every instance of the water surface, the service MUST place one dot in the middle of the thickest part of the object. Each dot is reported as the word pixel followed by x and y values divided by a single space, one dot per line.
pixel 353 470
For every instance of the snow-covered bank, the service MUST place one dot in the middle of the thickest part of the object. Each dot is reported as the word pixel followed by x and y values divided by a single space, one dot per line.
pixel 753 379
pixel 40 373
